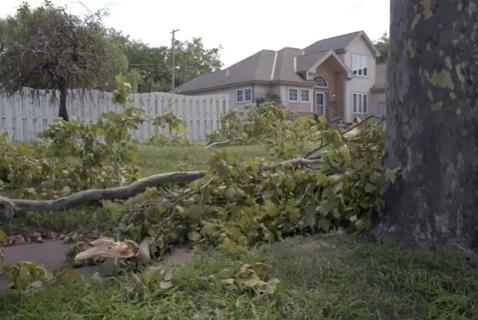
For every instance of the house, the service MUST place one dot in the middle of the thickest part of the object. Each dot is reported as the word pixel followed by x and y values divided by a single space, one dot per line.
pixel 334 77
pixel 378 104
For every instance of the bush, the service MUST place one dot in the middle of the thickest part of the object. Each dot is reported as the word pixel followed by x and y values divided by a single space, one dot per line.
pixel 74 155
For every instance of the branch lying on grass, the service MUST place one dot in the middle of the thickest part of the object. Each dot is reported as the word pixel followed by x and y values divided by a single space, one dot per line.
pixel 12 207
pixel 224 143
pixel 297 162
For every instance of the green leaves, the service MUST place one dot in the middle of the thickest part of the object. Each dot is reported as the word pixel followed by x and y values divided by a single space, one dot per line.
pixel 154 281
pixel 74 156
pixel 3 236
pixel 174 126
pixel 248 278
pixel 26 275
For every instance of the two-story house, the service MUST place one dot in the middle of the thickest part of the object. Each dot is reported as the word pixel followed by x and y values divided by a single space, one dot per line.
pixel 334 77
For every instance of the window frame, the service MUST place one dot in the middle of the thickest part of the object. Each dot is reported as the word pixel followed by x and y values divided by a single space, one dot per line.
pixel 308 95
pixel 297 94
pixel 360 103
pixel 324 78
pixel 237 96
pixel 360 65
pixel 245 95
pixel 242 91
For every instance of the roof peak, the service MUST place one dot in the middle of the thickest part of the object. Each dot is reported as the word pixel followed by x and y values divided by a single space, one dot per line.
pixel 342 35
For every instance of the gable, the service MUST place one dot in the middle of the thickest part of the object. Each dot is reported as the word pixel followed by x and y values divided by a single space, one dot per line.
pixel 335 43
pixel 362 44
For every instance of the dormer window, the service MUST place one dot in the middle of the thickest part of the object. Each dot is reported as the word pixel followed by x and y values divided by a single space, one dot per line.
pixel 321 81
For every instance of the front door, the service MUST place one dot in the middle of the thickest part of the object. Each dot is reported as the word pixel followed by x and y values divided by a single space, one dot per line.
pixel 320 104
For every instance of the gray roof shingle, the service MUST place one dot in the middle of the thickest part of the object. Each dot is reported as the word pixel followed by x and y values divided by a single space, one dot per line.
pixel 257 67
pixel 334 43
pixel 304 62
pixel 289 63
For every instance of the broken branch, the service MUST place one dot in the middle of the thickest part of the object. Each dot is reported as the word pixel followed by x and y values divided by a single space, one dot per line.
pixel 12 207
pixel 224 143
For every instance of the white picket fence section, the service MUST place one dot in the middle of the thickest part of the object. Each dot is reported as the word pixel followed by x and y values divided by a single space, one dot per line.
pixel 25 114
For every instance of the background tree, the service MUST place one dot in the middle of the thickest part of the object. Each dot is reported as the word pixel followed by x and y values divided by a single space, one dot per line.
pixel 47 48
pixel 192 60
pixel 383 46
pixel 150 67
pixel 432 124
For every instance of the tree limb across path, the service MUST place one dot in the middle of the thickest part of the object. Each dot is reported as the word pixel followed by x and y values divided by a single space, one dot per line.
pixel 12 207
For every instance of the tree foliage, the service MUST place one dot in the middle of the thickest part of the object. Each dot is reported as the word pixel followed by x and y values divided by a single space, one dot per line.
pixel 244 202
pixel 74 156
pixel 383 46
pixel 48 48
pixel 150 67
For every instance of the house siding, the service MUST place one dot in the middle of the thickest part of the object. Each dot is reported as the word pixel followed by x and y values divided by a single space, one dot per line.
pixel 231 93
pixel 296 107
pixel 358 84
pixel 379 98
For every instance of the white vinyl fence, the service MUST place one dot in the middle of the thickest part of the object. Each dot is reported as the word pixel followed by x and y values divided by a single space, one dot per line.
pixel 24 115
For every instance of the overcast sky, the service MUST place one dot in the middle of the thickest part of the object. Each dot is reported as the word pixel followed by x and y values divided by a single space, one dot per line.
pixel 240 27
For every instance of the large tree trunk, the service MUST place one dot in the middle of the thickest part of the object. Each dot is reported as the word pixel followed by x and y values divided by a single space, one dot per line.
pixel 432 124
pixel 63 112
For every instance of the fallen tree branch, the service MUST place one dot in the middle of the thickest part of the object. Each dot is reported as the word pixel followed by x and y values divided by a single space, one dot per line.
pixel 297 162
pixel 224 143
pixel 347 134
pixel 12 207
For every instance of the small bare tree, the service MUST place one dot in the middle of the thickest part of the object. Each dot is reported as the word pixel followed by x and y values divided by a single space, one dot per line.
pixel 48 48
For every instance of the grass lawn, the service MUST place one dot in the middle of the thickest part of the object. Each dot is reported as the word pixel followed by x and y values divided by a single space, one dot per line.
pixel 163 159
pixel 322 277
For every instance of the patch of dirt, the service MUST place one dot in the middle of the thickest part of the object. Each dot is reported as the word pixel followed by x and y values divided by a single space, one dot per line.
pixel 178 255
pixel 52 255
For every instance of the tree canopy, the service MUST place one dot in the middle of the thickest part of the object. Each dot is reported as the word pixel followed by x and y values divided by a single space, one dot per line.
pixel 383 46
pixel 150 67
pixel 48 48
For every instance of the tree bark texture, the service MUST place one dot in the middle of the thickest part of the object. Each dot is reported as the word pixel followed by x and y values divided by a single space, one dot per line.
pixel 63 111
pixel 432 124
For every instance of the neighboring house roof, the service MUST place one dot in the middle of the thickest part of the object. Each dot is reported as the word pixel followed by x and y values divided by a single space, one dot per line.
pixel 286 65
pixel 254 68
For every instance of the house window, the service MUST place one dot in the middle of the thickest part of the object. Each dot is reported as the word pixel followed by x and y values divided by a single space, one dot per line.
pixel 321 81
pixel 293 95
pixel 304 95
pixel 244 95
pixel 239 96
pixel 248 94
pixel 359 103
pixel 360 65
